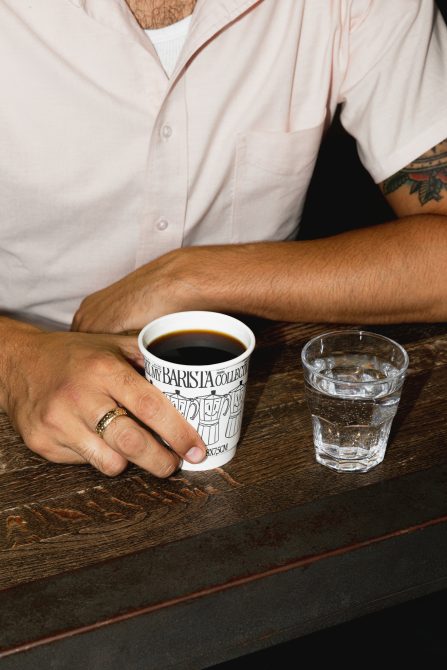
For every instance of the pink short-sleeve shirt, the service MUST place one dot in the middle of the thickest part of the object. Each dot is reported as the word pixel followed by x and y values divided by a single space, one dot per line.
pixel 106 163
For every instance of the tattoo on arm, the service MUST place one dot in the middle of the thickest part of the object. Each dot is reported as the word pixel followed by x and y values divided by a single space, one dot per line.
pixel 426 176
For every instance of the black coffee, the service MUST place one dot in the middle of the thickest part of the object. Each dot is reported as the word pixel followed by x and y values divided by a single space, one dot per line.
pixel 196 347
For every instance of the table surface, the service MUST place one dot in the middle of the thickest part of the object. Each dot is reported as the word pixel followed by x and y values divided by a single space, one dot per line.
pixel 203 567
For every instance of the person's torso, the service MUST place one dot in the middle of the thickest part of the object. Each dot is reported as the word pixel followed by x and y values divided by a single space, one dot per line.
pixel 106 163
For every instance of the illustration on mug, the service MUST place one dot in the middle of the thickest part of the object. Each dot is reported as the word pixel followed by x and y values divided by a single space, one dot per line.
pixel 205 412
pixel 236 396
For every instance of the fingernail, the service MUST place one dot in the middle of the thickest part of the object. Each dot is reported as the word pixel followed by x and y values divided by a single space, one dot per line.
pixel 195 455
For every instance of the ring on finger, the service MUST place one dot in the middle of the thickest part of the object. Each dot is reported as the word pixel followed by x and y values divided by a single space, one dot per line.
pixel 107 419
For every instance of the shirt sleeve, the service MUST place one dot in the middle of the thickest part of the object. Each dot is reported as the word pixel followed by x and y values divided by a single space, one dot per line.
pixel 394 94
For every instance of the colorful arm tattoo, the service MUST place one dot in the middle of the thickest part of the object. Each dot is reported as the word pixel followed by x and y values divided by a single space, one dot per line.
pixel 426 176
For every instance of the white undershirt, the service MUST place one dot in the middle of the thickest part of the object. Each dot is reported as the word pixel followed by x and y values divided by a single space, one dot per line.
pixel 168 42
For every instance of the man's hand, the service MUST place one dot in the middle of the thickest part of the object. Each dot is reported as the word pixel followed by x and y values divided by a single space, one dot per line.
pixel 158 288
pixel 57 386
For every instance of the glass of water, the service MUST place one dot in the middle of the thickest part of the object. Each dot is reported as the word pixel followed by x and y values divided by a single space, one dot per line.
pixel 353 384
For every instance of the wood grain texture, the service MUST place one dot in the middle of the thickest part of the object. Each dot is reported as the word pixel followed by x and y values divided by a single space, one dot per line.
pixel 56 518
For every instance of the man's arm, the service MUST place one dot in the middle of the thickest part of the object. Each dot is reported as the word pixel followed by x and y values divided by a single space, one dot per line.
pixel 394 272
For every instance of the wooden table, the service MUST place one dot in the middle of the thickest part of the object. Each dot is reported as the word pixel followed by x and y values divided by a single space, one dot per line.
pixel 133 572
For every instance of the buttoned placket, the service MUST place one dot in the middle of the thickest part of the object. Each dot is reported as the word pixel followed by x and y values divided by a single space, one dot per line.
pixel 167 176
pixel 166 179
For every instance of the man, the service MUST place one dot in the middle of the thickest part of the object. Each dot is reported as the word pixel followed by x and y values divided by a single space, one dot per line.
pixel 133 191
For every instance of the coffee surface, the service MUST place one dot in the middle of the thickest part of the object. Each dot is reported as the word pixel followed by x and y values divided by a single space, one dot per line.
pixel 196 347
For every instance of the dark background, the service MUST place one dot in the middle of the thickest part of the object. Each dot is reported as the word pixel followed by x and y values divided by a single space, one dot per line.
pixel 412 633
pixel 339 187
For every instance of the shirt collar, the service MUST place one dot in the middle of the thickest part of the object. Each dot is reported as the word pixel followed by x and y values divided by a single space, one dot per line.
pixel 209 17
pixel 116 15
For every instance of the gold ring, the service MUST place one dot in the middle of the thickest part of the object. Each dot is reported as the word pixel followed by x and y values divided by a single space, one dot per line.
pixel 108 418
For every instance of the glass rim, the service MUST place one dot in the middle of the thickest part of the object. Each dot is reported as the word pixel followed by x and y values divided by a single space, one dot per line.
pixel 355 331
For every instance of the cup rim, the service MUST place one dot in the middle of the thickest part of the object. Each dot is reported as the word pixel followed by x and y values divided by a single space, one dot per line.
pixel 195 314
pixel 355 331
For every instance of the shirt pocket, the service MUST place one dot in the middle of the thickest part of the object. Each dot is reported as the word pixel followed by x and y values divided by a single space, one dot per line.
pixel 272 174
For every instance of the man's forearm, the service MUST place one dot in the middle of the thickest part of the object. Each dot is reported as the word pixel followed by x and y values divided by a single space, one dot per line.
pixel 394 272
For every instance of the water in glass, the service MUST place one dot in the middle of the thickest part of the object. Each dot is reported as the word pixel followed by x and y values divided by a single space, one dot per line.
pixel 353 399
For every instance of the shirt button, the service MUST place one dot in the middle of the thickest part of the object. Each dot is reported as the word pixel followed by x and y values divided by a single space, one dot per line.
pixel 162 224
pixel 166 132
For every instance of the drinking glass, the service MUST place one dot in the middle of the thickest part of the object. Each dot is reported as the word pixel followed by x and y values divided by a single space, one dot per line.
pixel 353 382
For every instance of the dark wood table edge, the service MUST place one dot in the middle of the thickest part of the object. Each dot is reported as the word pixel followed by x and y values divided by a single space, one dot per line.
pixel 239 569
